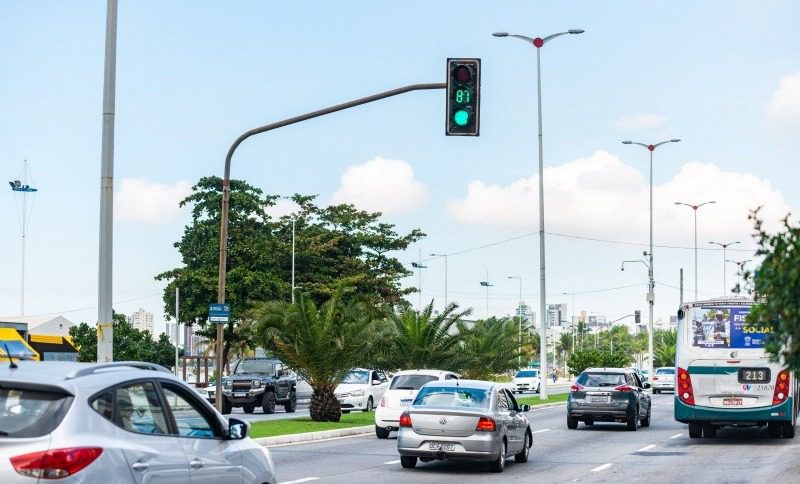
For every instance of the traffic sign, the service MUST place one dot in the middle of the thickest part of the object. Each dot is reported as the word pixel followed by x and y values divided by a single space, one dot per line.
pixel 219 313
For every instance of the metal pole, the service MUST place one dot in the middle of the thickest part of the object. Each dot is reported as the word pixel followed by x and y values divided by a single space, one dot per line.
pixel 542 290
pixel 22 272
pixel 724 270
pixel 419 273
pixel 487 295
pixel 695 296
pixel 695 258
pixel 519 321
pixel 650 294
pixel 293 247
pixel 445 281
pixel 105 326
pixel 177 324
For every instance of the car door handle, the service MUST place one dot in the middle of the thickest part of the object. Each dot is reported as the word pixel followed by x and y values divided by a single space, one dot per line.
pixel 196 463
pixel 140 466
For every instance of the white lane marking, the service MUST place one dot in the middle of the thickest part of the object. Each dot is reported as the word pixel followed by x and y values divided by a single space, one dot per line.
pixel 391 462
pixel 602 467
pixel 645 449
pixel 539 431
pixel 676 436
pixel 298 481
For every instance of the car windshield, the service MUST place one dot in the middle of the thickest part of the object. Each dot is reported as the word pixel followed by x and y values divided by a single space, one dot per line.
pixel 665 371
pixel 255 366
pixel 527 374
pixel 452 397
pixel 30 413
pixel 601 379
pixel 410 382
pixel 356 377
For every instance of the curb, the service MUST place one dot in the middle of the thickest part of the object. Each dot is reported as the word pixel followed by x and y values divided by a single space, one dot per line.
pixel 312 436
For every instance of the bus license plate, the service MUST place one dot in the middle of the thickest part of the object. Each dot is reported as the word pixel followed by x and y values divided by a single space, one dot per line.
pixel 732 402
pixel 599 399
pixel 441 446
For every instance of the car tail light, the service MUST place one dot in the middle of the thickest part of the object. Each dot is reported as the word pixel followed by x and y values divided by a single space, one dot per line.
pixel 405 420
pixel 655 378
pixel 384 402
pixel 781 388
pixel 623 388
pixel 576 387
pixel 486 424
pixel 56 463
pixel 685 391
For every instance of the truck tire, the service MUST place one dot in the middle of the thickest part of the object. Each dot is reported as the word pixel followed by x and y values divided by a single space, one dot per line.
pixel 291 405
pixel 226 406
pixel 268 402
pixel 248 407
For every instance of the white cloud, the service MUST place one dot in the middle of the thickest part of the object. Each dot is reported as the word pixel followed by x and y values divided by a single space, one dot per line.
pixel 282 208
pixel 785 102
pixel 640 121
pixel 601 196
pixel 149 202
pixel 381 185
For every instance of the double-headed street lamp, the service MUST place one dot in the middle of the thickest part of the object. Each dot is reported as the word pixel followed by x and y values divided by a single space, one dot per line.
pixel 445 276
pixel 739 264
pixel 519 319
pixel 419 267
pixel 487 285
pixel 539 42
pixel 724 266
pixel 651 298
pixel 694 208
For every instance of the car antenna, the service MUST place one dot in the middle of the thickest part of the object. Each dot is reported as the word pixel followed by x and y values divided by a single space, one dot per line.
pixel 11 365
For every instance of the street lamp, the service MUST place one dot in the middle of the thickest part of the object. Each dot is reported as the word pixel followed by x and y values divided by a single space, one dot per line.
pixel 539 42
pixel 694 208
pixel 445 276
pixel 739 264
pixel 724 258
pixel 651 298
pixel 519 318
pixel 418 265
pixel 487 285
pixel 22 187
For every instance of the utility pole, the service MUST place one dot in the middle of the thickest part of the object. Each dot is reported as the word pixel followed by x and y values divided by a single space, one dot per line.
pixel 177 324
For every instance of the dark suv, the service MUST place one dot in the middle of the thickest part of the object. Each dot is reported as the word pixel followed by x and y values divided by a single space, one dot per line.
pixel 608 395
pixel 263 382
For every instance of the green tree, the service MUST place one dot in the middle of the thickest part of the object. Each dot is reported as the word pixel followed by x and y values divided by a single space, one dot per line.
pixel 579 360
pixel 490 347
pixel 776 286
pixel 321 343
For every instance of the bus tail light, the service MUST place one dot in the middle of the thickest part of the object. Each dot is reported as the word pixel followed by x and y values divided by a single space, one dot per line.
pixel 685 390
pixel 781 388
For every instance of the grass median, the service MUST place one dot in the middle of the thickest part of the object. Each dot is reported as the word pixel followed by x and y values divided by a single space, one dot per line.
pixel 534 400
pixel 272 428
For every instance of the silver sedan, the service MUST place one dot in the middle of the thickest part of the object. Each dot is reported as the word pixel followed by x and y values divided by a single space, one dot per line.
pixel 464 420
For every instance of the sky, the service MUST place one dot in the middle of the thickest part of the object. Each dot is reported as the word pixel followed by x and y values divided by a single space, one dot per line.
pixel 722 76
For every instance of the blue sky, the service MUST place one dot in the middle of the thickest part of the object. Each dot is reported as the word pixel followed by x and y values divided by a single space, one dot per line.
pixel 191 76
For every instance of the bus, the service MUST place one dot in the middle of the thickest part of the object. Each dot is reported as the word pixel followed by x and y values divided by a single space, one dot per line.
pixel 724 377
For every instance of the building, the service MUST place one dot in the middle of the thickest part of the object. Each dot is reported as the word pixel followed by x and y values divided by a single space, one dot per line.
pixel 142 320
pixel 52 326
pixel 556 315
pixel 170 331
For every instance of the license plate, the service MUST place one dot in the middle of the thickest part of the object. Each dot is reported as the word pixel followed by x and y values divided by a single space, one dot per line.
pixel 441 446
pixel 239 394
pixel 405 402
pixel 732 402
pixel 601 399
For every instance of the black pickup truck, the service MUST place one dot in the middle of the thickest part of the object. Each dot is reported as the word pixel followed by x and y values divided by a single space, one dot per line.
pixel 259 382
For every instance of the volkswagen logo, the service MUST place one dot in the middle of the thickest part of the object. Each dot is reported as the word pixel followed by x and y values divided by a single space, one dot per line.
pixel 442 420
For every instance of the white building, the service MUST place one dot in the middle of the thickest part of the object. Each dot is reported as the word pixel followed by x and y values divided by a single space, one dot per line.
pixel 142 320
pixel 170 331
pixel 556 314
pixel 46 325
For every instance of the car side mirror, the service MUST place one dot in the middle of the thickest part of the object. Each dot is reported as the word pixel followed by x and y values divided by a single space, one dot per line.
pixel 524 408
pixel 281 373
pixel 237 429
pixel 646 385
pixel 376 382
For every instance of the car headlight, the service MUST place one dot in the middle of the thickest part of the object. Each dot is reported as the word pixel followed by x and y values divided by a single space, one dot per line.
pixel 228 384
pixel 357 393
pixel 256 383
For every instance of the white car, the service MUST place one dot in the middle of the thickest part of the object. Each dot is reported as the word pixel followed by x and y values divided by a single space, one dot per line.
pixel 361 389
pixel 526 380
pixel 402 390
pixel 664 379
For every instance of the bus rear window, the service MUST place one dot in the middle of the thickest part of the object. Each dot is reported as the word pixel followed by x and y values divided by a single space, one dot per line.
pixel 30 413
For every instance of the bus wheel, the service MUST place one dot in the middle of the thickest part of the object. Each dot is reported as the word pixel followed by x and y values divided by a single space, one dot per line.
pixel 709 431
pixel 695 430
pixel 788 430
pixel 774 429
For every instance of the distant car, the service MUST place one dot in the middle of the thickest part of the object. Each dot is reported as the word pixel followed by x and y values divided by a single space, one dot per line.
pixel 402 390
pixel 464 420
pixel 361 389
pixel 664 379
pixel 259 382
pixel 608 395
pixel 121 422
pixel 645 375
pixel 526 380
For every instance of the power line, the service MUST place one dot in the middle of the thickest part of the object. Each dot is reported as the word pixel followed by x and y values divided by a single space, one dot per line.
pixel 87 308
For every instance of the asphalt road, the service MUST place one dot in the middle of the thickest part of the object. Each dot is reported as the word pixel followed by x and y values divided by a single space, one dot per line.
pixel 662 453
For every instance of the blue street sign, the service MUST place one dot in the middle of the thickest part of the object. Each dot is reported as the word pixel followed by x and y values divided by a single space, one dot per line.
pixel 219 313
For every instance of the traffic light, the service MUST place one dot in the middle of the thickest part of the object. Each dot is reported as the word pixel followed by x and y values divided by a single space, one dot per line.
pixel 463 97
pixel 637 316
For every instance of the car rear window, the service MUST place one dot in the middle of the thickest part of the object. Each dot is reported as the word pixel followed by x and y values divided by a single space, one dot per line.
pixel 527 374
pixel 410 382
pixel 601 379
pixel 31 413
pixel 665 371
pixel 453 397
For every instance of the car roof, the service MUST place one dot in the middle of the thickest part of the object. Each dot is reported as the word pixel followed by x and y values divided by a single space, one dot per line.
pixel 479 384
pixel 425 372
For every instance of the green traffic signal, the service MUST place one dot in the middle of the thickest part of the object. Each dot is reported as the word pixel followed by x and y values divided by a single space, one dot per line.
pixel 461 117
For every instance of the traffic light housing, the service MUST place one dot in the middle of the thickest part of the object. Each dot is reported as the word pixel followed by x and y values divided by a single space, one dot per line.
pixel 463 97
pixel 637 316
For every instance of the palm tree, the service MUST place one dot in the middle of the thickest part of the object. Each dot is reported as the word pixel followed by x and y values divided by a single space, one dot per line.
pixel 319 344
pixel 491 347
pixel 419 339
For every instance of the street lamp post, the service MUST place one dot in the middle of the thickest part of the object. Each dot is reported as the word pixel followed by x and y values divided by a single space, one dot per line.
pixel 23 188
pixel 694 208
pixel 724 258
pixel 487 285
pixel 519 320
pixel 739 264
pixel 539 42
pixel 445 276
pixel 419 267
pixel 651 298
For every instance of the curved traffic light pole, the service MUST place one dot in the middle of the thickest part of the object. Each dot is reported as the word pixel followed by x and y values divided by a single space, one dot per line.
pixel 226 193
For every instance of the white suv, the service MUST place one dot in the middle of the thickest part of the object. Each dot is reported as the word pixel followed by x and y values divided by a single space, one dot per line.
pixel 402 390
pixel 361 389
pixel 526 380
